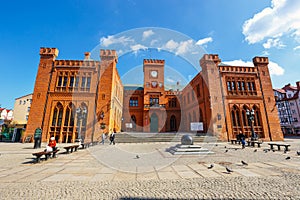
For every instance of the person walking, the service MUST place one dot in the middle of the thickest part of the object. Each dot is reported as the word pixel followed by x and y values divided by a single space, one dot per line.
pixel 103 137
pixel 112 137
pixel 243 139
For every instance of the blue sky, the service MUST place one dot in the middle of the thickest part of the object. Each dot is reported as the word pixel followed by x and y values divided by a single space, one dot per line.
pixel 236 30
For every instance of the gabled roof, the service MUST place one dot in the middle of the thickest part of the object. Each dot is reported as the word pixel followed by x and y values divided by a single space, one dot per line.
pixel 280 90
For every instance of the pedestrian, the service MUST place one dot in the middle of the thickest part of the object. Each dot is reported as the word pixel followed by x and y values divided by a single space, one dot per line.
pixel 242 138
pixel 112 137
pixel 103 137
pixel 52 143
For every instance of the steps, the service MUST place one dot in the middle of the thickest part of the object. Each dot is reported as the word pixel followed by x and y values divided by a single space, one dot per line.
pixel 134 137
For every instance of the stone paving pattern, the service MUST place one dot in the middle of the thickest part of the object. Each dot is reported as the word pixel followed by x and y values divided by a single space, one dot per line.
pixel 116 172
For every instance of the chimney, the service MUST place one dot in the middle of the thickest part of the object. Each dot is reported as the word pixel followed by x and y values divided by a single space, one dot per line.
pixel 87 56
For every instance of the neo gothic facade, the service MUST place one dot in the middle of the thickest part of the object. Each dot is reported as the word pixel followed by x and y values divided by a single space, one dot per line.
pixel 218 98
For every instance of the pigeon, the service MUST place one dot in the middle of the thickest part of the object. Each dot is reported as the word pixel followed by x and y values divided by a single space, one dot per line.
pixel 211 166
pixel 225 147
pixel 216 145
pixel 255 150
pixel 287 158
pixel 284 151
pixel 298 153
pixel 226 150
pixel 228 170
pixel 273 150
pixel 137 156
pixel 236 149
pixel 244 163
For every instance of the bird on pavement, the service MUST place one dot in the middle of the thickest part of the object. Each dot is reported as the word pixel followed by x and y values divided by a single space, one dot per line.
pixel 255 150
pixel 226 150
pixel 211 166
pixel 228 170
pixel 287 158
pixel 298 153
pixel 137 156
pixel 244 163
pixel 225 147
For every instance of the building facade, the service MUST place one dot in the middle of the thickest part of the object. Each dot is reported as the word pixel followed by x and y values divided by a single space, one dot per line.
pixel 288 105
pixel 220 99
pixel 21 109
pixel 76 99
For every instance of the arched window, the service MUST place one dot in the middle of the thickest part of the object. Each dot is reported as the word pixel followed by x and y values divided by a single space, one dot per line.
pixel 57 115
pixel 235 116
pixel 257 120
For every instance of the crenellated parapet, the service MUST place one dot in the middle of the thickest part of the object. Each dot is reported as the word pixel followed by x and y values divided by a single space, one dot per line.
pixel 210 58
pixel 107 54
pixel 260 60
pixel 45 51
pixel 154 61
pixel 75 63
pixel 237 69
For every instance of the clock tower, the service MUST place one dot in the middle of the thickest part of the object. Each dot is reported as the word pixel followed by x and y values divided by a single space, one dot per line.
pixel 154 101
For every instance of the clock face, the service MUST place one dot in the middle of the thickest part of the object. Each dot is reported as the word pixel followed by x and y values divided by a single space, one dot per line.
pixel 154 74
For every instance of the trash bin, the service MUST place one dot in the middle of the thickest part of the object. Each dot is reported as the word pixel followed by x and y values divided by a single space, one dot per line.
pixel 37 138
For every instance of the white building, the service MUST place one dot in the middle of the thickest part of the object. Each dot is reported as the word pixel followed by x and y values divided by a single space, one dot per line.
pixel 288 104
pixel 22 108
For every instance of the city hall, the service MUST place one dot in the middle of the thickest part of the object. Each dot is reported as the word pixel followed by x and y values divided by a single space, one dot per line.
pixel 82 99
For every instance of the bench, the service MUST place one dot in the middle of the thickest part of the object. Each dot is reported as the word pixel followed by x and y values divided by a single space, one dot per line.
pixel 252 143
pixel 72 147
pixel 85 145
pixel 286 146
pixel 46 153
pixel 235 141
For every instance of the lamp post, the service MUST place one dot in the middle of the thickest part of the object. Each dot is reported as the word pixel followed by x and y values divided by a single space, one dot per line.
pixel 81 115
pixel 250 114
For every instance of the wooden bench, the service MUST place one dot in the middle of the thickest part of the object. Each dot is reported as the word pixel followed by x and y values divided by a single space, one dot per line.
pixel 286 146
pixel 46 153
pixel 85 145
pixel 235 141
pixel 252 143
pixel 72 147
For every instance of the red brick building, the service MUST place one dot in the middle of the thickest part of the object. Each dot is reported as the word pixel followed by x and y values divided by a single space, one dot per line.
pixel 218 97
pixel 79 98
pixel 75 99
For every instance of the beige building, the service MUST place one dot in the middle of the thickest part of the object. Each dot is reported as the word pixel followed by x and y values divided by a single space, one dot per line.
pixel 21 109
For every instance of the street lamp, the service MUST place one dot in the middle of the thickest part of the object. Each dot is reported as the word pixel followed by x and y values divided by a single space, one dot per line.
pixel 81 115
pixel 250 114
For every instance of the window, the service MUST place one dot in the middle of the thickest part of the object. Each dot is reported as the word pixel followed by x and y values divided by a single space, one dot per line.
pixel 72 79
pixel 20 102
pixel 172 102
pixel 24 102
pixel 133 102
pixel 154 101
pixel 27 117
pixel 28 109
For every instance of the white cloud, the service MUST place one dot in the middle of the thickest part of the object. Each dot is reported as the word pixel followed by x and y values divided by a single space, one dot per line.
pixel 184 47
pixel 179 48
pixel 137 47
pixel 282 18
pixel 171 45
pixel 239 63
pixel 274 68
pixel 204 41
pixel 296 48
pixel 109 40
pixel 147 34
pixel 273 43
pixel 170 80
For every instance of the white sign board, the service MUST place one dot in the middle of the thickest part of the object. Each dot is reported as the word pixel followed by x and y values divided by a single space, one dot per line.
pixel 196 126
pixel 128 125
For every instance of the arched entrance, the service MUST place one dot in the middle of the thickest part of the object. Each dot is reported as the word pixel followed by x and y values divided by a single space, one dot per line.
pixel 154 123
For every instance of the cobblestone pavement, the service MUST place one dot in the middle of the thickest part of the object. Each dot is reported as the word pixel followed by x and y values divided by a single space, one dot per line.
pixel 149 171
